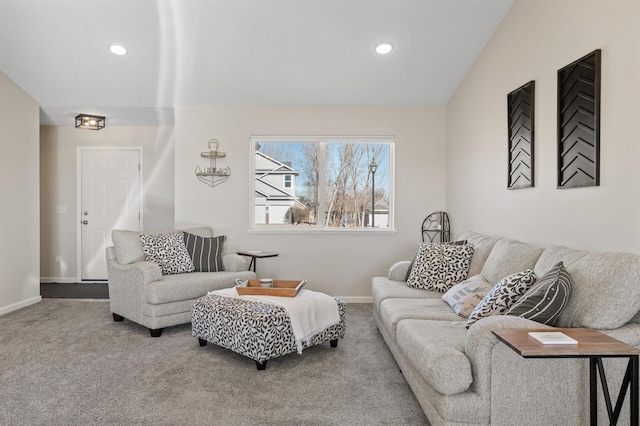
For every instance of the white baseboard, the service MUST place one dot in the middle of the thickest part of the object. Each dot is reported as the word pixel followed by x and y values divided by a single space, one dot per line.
pixel 48 280
pixel 19 305
pixel 356 299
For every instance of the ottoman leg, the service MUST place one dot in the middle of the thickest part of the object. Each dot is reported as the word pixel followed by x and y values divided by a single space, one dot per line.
pixel 334 343
pixel 156 332
pixel 117 318
pixel 202 342
pixel 261 365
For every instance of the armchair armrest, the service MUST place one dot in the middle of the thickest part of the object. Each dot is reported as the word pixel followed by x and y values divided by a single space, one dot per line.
pixel 399 271
pixel 126 286
pixel 140 272
pixel 234 263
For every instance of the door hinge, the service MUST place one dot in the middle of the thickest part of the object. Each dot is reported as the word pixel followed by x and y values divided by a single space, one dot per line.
pixel 138 166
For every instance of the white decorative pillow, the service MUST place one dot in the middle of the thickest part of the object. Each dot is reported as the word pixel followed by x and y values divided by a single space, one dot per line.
pixel 168 251
pixel 503 295
pixel 438 266
pixel 465 296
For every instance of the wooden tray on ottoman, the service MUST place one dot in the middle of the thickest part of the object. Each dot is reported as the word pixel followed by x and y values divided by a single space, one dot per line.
pixel 280 288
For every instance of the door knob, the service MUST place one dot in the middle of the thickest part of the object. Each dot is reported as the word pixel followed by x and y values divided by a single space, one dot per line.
pixel 85 222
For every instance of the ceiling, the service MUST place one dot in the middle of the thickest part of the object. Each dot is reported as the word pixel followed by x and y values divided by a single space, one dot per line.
pixel 237 52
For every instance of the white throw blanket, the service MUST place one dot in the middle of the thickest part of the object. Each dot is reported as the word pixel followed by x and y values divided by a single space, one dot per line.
pixel 310 311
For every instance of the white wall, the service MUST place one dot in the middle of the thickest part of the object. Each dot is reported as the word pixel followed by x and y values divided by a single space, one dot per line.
pixel 339 264
pixel 58 149
pixel 535 40
pixel 19 189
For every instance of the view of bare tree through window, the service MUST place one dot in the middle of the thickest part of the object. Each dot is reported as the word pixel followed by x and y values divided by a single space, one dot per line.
pixel 327 184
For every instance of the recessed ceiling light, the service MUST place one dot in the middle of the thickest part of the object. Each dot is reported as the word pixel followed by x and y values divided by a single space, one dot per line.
pixel 117 50
pixel 384 47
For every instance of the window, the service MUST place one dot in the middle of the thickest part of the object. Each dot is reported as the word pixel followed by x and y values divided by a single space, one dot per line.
pixel 316 183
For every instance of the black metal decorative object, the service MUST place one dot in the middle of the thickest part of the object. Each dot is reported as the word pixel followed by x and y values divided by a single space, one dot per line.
pixel 579 123
pixel 435 228
pixel 520 107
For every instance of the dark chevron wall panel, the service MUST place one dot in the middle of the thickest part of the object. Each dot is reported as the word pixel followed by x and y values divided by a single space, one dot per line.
pixel 579 123
pixel 520 106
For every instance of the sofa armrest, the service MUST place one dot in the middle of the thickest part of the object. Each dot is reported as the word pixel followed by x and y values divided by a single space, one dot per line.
pixel 399 271
pixel 234 263
pixel 556 389
pixel 481 341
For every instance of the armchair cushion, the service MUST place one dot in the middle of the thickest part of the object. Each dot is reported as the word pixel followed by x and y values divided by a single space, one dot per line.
pixel 128 246
pixel 206 253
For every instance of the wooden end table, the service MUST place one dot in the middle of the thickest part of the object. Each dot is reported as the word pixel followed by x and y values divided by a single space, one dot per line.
pixel 594 345
pixel 254 255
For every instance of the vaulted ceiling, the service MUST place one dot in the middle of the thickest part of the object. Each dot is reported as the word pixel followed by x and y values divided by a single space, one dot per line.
pixel 237 52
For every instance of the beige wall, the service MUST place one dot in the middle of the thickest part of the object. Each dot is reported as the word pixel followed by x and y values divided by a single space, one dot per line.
pixel 19 189
pixel 535 40
pixel 340 264
pixel 58 149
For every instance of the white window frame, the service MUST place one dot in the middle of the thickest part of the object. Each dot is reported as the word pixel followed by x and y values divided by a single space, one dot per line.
pixel 323 140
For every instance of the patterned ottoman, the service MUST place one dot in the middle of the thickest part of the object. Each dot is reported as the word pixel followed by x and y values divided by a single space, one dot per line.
pixel 259 331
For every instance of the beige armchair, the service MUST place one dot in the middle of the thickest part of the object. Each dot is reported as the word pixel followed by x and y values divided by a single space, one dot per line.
pixel 140 293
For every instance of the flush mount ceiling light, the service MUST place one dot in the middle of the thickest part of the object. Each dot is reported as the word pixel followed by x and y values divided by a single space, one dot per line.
pixel 384 47
pixel 89 122
pixel 117 50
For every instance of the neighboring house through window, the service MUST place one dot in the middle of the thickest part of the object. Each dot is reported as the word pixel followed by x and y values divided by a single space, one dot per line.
pixel 317 183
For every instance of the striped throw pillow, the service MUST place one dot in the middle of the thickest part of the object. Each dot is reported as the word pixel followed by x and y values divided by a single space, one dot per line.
pixel 206 253
pixel 547 298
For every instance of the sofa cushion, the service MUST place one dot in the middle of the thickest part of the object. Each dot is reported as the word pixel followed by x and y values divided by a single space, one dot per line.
pixel 436 350
pixel 128 246
pixel 547 298
pixel 482 246
pixel 508 257
pixel 392 311
pixel 168 251
pixel 439 266
pixel 503 295
pixel 605 293
pixel 206 253
pixel 465 296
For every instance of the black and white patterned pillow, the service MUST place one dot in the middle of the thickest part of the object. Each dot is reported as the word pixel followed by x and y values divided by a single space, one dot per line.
pixel 206 253
pixel 439 266
pixel 503 295
pixel 413 261
pixel 547 298
pixel 168 251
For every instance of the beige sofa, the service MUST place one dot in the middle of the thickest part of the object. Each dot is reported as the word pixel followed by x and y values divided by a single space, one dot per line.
pixel 140 293
pixel 469 377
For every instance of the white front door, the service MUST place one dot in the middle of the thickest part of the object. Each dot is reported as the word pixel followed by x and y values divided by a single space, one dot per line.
pixel 110 198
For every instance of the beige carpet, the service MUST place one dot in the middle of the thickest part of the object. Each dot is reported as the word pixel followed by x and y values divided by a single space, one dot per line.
pixel 65 362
